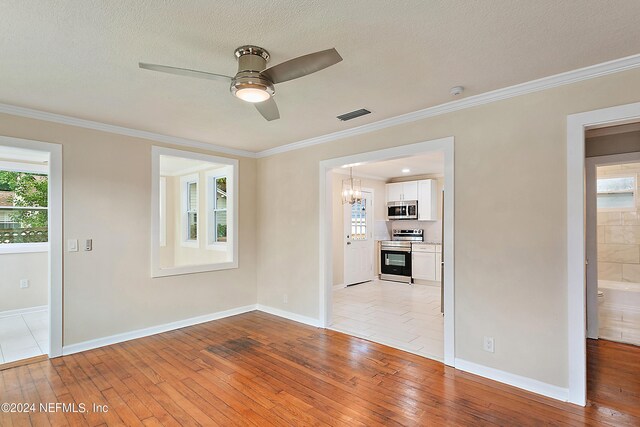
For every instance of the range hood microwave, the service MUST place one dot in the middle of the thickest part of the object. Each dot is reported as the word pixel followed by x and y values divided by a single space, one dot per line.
pixel 406 209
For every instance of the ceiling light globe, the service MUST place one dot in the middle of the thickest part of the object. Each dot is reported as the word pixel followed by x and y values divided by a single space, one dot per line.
pixel 252 94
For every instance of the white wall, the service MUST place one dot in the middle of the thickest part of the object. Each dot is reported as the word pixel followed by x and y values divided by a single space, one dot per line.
pixel 14 267
pixel 107 197
pixel 510 221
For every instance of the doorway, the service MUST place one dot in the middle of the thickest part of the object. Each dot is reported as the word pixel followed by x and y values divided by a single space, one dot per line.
pixel 327 229
pixel 30 251
pixel 578 291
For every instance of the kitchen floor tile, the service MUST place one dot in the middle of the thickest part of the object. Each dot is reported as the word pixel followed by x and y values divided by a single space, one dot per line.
pixel 395 314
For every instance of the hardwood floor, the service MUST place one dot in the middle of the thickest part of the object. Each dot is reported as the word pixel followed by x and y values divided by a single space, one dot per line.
pixel 258 369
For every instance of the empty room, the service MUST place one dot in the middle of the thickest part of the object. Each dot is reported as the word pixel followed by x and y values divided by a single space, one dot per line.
pixel 319 213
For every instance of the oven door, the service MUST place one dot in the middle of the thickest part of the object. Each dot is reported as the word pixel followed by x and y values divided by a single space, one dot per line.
pixel 396 261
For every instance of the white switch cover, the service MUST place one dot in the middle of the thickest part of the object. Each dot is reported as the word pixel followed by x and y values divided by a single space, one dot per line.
pixel 88 245
pixel 24 283
pixel 72 245
pixel 488 345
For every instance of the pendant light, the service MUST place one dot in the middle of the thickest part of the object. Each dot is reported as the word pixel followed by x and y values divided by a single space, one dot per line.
pixel 351 190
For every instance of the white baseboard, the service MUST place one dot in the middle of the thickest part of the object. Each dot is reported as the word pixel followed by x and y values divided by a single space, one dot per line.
pixel 21 311
pixel 118 338
pixel 289 315
pixel 518 381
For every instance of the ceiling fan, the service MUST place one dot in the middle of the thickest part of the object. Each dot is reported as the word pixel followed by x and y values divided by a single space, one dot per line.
pixel 254 82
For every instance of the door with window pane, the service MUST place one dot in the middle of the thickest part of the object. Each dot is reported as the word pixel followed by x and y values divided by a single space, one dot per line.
pixel 358 240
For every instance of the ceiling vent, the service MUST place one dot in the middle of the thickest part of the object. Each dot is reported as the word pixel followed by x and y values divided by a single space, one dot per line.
pixel 353 114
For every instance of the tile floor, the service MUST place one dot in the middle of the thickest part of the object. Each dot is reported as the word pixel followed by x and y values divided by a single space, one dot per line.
pixel 395 314
pixel 24 336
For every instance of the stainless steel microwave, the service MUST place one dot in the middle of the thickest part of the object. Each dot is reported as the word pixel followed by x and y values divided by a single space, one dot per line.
pixel 407 209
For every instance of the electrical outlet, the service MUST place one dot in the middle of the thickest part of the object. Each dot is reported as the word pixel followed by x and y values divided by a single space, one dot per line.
pixel 24 283
pixel 285 298
pixel 488 345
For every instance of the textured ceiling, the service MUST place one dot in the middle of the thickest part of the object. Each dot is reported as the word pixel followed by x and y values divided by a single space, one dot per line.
pixel 79 58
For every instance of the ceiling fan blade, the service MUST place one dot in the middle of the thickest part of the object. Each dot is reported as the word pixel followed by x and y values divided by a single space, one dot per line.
pixel 184 72
pixel 302 65
pixel 268 109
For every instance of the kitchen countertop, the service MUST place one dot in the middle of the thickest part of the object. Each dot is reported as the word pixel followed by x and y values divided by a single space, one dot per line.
pixel 426 243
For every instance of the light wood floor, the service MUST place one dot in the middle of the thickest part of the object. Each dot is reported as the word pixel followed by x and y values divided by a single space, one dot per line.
pixel 258 369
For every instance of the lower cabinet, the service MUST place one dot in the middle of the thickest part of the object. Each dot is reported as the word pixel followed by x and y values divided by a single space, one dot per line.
pixel 425 262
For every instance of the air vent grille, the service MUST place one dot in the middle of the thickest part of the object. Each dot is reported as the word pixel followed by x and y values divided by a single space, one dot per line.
pixel 353 114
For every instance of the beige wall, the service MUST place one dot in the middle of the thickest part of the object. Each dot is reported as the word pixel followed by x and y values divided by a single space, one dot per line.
pixel 338 219
pixel 510 221
pixel 619 233
pixel 107 197
pixel 14 267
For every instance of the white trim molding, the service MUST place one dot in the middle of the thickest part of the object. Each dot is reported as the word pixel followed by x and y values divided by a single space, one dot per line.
pixel 289 315
pixel 525 383
pixel 21 311
pixel 145 332
pixel 574 76
pixel 576 239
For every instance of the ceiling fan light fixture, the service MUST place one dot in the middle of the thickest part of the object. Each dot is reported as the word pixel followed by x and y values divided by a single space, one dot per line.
pixel 252 94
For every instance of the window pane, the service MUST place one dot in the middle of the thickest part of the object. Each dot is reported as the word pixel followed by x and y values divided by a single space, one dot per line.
pixel 221 226
pixel 608 185
pixel 221 193
pixel 192 203
pixel 615 200
pixel 193 225
pixel 23 226
pixel 359 220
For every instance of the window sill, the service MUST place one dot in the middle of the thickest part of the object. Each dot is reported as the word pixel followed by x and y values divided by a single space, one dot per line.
pixel 190 244
pixel 190 269
pixel 22 248
pixel 218 246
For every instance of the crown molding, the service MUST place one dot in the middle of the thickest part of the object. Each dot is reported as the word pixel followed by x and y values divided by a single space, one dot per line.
pixel 119 130
pixel 574 76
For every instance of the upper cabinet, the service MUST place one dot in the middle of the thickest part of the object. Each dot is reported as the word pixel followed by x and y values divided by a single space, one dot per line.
pixel 424 191
pixel 399 191
pixel 427 200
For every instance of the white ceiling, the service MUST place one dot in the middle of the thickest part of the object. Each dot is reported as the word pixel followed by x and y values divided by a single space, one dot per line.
pixel 431 163
pixel 79 58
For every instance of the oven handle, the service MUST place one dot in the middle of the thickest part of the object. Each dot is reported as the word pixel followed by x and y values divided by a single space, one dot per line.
pixel 394 249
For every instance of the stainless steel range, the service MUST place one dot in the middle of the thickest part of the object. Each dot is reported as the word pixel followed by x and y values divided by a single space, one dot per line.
pixel 395 255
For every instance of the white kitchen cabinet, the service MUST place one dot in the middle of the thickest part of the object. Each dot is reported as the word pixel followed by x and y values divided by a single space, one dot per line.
pixel 400 191
pixel 423 265
pixel 427 200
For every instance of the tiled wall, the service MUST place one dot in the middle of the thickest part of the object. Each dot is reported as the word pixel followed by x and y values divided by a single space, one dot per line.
pixel 619 234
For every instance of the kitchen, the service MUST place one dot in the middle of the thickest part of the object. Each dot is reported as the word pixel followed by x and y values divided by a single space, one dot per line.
pixel 387 252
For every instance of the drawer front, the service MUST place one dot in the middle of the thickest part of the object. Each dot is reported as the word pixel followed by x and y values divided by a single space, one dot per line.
pixel 424 247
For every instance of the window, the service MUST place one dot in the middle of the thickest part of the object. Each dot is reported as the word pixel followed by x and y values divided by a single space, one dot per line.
pixel 217 225
pixel 194 212
pixel 616 193
pixel 23 206
pixel 359 220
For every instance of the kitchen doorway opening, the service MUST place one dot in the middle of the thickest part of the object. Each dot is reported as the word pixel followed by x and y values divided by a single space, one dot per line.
pixel 30 251
pixel 381 297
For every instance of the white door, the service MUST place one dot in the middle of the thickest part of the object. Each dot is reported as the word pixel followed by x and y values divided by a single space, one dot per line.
pixel 358 240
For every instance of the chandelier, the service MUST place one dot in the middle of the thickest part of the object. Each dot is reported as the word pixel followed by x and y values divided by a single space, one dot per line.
pixel 351 190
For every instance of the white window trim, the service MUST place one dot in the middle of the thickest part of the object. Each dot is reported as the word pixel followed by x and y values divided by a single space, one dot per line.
pixel 163 210
pixel 185 180
pixel 156 271
pixel 635 192
pixel 23 248
pixel 226 171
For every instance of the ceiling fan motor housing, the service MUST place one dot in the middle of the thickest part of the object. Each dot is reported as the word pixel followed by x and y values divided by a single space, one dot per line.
pixel 252 60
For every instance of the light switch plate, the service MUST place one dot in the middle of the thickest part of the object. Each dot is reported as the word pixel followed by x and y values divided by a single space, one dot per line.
pixel 88 245
pixel 72 245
